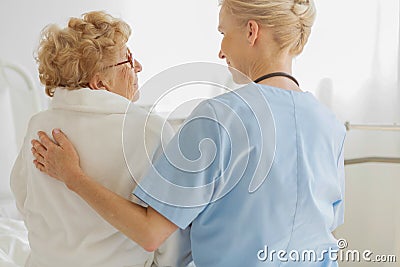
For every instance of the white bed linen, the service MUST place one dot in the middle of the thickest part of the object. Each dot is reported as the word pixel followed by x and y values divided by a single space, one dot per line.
pixel 14 246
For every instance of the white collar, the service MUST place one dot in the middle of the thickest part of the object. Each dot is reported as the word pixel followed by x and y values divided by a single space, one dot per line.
pixel 88 100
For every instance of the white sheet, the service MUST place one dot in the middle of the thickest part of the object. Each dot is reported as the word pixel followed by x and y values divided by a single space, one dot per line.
pixel 14 246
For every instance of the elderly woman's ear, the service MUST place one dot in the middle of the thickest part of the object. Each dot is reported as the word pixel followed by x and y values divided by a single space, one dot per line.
pixel 98 83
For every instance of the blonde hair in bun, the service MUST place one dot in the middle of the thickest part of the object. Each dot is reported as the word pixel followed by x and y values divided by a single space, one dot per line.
pixel 291 20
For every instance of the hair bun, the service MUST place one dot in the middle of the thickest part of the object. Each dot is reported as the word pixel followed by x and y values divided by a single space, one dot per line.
pixel 302 8
pixel 302 2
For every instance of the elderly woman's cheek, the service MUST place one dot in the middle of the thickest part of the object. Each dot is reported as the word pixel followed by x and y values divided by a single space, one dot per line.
pixel 131 84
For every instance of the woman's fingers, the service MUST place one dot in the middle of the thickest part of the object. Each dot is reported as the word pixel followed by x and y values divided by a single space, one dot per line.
pixel 58 158
pixel 38 156
pixel 39 166
pixel 40 151
pixel 45 141
pixel 61 139
pixel 39 148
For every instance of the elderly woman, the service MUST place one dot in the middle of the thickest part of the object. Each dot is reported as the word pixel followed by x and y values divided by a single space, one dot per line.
pixel 288 216
pixel 91 76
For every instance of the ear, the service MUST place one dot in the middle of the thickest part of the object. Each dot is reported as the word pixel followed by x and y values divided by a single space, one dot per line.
pixel 252 31
pixel 98 83
pixel 95 82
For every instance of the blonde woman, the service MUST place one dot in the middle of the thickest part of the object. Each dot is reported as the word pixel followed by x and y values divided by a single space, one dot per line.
pixel 287 218
pixel 91 76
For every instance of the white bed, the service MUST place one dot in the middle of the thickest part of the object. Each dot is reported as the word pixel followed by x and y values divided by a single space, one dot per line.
pixel 14 247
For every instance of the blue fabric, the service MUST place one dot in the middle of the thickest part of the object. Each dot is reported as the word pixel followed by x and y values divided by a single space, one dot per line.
pixel 254 168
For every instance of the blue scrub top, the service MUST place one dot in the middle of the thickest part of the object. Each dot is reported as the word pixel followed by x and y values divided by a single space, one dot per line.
pixel 253 171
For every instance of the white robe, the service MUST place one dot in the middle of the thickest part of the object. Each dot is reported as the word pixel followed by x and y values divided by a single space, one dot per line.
pixel 64 230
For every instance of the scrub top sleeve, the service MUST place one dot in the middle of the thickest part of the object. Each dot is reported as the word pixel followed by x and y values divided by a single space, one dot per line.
pixel 179 185
pixel 338 206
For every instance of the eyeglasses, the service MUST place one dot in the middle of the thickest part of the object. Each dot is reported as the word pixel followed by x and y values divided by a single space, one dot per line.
pixel 130 60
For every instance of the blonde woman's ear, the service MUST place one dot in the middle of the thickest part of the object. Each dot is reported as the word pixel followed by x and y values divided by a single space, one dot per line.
pixel 95 82
pixel 252 31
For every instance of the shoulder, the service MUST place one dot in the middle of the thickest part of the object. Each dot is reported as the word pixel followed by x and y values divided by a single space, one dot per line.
pixel 327 115
pixel 248 98
pixel 147 124
pixel 219 106
pixel 140 116
pixel 318 120
pixel 40 120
